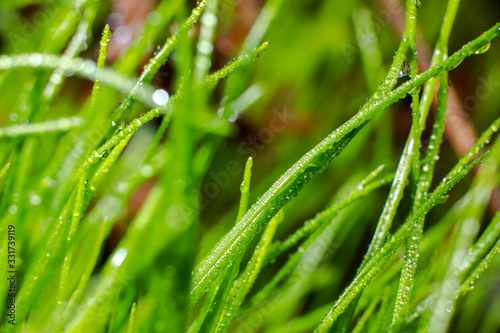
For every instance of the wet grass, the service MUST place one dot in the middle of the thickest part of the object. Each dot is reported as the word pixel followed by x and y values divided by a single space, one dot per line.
pixel 121 205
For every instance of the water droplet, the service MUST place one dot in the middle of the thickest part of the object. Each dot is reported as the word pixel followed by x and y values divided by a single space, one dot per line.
pixel 160 97
pixel 154 18
pixel 56 79
pixel 122 187
pixel 34 199
pixel 483 49
pixel 405 68
pixel 146 170
pixel 122 35
pixel 209 19
pixel 88 67
pixel 36 59
pixel 119 257
pixel 12 210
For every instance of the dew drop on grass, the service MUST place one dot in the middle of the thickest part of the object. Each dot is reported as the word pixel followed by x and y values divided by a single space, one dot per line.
pixel 36 59
pixel 88 67
pixel 5 62
pixel 12 210
pixel 154 18
pixel 34 199
pixel 209 19
pixel 483 49
pixel 64 124
pixel 146 170
pixel 160 97
pixel 119 257
pixel 56 79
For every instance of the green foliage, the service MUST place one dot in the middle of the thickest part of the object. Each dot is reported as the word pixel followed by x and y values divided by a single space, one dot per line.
pixel 118 210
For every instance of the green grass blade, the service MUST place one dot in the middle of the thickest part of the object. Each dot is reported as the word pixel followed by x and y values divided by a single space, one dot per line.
pixel 156 62
pixel 101 62
pixel 44 267
pixel 83 30
pixel 131 322
pixel 222 294
pixel 360 326
pixel 428 163
pixel 78 66
pixel 4 170
pixel 468 284
pixel 50 126
pixel 412 143
pixel 412 248
pixel 245 282
pixel 75 220
pixel 156 23
pixel 245 189
pixel 205 46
